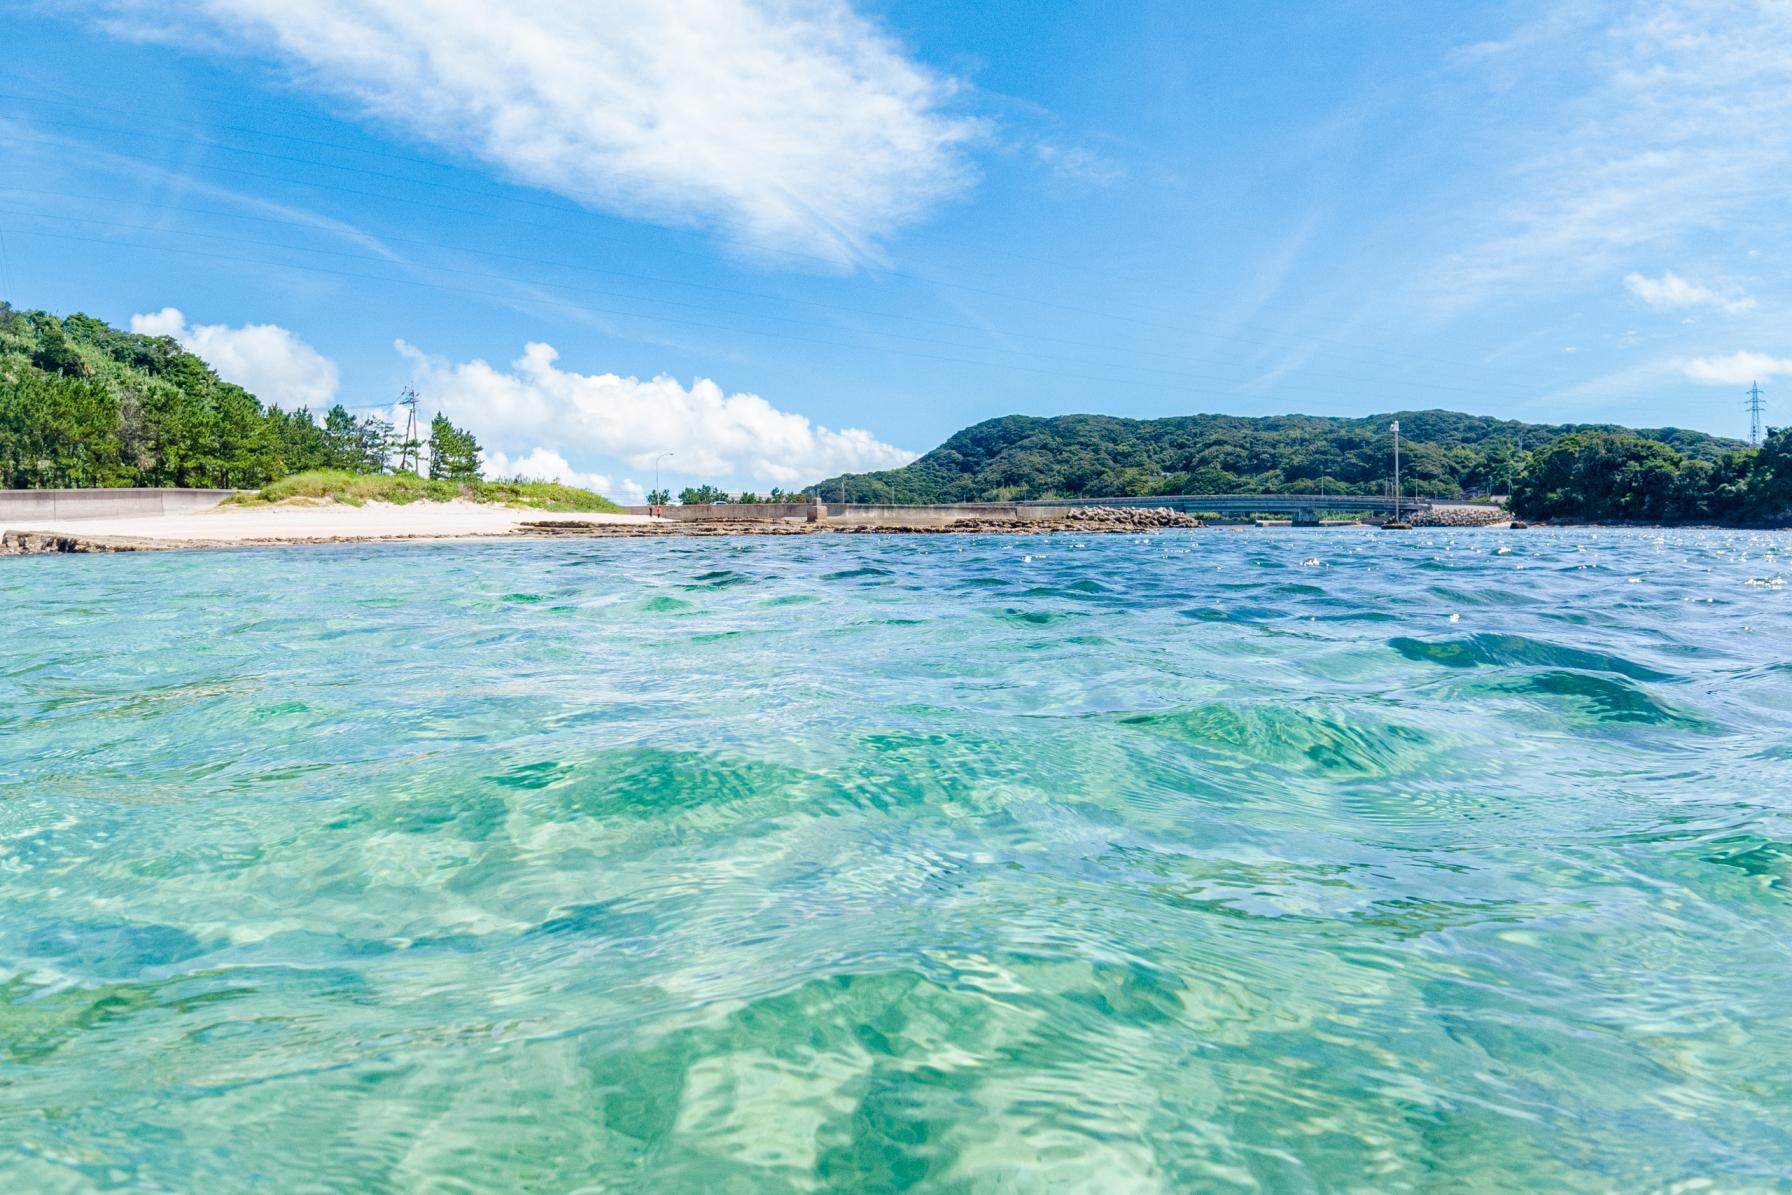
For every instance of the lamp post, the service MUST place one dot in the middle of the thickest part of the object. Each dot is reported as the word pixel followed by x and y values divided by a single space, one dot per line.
pixel 1396 470
pixel 656 481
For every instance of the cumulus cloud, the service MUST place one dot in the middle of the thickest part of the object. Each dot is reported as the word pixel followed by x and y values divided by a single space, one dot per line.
pixel 790 124
pixel 1670 292
pixel 1738 369
pixel 265 359
pixel 544 464
pixel 713 434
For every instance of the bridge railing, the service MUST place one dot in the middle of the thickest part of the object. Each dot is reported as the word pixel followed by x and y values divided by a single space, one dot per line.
pixel 1249 503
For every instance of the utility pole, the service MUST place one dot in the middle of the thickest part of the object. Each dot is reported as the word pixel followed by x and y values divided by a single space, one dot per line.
pixel 1753 406
pixel 1396 470
pixel 411 449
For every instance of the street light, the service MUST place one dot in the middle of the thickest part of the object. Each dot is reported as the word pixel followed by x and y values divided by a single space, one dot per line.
pixel 656 480
pixel 1396 470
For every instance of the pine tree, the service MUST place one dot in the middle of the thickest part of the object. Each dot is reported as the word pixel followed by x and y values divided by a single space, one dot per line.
pixel 373 444
pixel 342 440
pixel 453 452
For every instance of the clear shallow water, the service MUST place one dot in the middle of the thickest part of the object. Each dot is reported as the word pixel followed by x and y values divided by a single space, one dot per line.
pixel 1280 860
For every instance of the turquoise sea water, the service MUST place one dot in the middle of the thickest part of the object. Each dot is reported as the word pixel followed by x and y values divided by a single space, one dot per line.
pixel 1272 860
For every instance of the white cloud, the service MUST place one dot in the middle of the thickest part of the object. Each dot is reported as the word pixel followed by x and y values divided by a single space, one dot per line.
pixel 790 124
pixel 265 359
pixel 1670 292
pixel 1738 369
pixel 1644 123
pixel 1079 164
pixel 714 436
pixel 544 464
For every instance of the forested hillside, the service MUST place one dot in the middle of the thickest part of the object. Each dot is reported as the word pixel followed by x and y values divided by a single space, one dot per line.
pixel 1598 476
pixel 1443 454
pixel 84 404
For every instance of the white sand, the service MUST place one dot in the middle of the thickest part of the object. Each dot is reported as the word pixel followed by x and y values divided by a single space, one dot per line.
pixel 375 520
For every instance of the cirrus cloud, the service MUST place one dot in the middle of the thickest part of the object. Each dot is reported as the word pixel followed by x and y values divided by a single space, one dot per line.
pixel 1648 123
pixel 265 359
pixel 789 124
pixel 1670 292
pixel 537 407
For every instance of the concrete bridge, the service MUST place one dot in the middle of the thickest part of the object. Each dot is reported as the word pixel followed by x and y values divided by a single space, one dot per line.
pixel 1304 508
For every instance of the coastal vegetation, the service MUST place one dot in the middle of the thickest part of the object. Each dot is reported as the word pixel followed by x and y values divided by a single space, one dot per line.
pixel 1565 472
pixel 83 404
pixel 1601 476
pixel 1444 454
pixel 355 489
pixel 709 495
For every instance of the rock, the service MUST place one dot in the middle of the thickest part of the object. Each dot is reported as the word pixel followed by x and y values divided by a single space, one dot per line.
pixel 1125 518
pixel 1459 516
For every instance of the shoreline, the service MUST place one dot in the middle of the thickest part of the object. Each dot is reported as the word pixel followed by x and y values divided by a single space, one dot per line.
pixel 303 523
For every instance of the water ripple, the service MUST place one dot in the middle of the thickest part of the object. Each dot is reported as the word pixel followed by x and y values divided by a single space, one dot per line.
pixel 1289 860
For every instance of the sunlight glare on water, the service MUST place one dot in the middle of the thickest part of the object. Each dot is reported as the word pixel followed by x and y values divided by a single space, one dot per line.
pixel 1281 860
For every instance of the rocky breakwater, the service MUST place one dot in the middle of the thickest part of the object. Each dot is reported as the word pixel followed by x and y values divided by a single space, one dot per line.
pixel 1094 520
pixel 1460 516
pixel 1080 519
pixel 1127 518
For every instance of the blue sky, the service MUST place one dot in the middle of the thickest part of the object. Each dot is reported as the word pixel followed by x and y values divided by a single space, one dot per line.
pixel 778 240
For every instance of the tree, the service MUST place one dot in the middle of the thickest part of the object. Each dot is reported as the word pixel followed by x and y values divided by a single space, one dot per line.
pixel 1603 476
pixel 659 497
pixel 1074 456
pixel 374 442
pixel 453 452
pixel 54 354
pixel 702 495
pixel 298 442
pixel 342 440
pixel 57 431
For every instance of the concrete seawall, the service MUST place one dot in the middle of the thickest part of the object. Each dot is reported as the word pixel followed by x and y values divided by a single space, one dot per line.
pixel 19 506
pixel 732 511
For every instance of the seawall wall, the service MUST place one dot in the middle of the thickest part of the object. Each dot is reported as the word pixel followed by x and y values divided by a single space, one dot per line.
pixel 19 505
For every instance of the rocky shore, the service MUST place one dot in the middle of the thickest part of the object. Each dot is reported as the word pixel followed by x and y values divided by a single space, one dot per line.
pixel 1081 520
pixel 1089 520
pixel 1460 516
pixel 1085 520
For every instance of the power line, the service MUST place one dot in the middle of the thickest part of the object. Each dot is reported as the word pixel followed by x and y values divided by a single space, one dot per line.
pixel 1182 371
pixel 565 209
pixel 1180 329
pixel 1753 406
pixel 85 105
pixel 482 292
pixel 567 265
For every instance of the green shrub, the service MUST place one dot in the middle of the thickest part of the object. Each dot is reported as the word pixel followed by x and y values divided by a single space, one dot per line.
pixel 354 489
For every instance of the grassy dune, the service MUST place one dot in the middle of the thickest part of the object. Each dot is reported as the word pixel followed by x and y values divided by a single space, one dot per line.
pixel 354 489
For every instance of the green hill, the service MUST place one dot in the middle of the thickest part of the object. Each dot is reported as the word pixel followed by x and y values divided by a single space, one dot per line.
pixel 1443 454
pixel 84 404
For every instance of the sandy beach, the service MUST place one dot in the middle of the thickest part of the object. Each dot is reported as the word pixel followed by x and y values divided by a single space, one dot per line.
pixel 326 522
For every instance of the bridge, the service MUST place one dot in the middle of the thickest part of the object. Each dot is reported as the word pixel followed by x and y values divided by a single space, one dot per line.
pixel 1304 508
